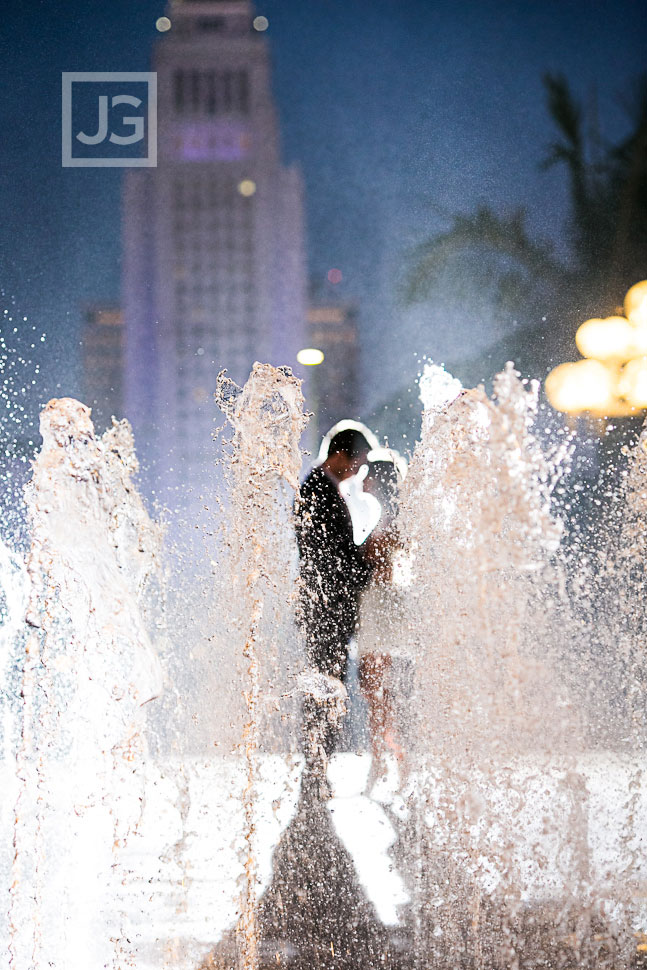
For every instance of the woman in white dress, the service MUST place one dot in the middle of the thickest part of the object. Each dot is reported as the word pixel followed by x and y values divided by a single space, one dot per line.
pixel 384 667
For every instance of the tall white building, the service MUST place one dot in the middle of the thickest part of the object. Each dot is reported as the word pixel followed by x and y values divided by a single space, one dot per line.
pixel 214 271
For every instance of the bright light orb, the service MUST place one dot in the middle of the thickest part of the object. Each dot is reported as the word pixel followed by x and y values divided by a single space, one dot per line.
pixel 260 23
pixel 247 188
pixel 608 339
pixel 587 385
pixel 163 24
pixel 633 382
pixel 636 304
pixel 639 340
pixel 310 357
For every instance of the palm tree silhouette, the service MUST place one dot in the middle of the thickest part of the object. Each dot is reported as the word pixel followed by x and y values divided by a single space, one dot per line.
pixel 607 230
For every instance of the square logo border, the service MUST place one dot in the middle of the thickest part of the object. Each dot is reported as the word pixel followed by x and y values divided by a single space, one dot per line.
pixel 68 78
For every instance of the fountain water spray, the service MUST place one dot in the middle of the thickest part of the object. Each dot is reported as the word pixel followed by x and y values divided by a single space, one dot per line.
pixel 89 667
pixel 267 420
pixel 521 820
pixel 507 870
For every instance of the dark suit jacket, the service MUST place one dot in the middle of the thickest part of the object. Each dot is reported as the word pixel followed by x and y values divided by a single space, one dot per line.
pixel 333 570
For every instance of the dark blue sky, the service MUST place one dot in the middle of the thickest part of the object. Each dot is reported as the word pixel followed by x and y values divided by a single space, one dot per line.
pixel 397 111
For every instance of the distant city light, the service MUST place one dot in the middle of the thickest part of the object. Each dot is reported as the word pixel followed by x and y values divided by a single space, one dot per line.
pixel 261 23
pixel 247 187
pixel 310 357
pixel 335 276
pixel 163 24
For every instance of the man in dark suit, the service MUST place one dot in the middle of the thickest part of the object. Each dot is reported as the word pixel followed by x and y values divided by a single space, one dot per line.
pixel 333 569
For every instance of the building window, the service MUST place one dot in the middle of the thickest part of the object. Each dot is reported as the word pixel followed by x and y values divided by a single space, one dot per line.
pixel 210 25
pixel 179 92
pixel 195 90
pixel 211 92
pixel 211 102
pixel 243 92
pixel 227 91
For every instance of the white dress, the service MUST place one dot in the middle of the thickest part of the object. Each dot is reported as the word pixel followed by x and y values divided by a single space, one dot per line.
pixel 383 627
pixel 384 630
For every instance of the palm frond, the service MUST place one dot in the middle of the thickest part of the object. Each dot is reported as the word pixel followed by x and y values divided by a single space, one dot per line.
pixel 484 229
pixel 565 111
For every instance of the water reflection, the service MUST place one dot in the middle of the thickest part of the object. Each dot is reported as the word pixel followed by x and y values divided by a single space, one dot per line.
pixel 315 912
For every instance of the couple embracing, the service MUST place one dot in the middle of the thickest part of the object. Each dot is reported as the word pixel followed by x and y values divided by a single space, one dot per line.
pixel 347 588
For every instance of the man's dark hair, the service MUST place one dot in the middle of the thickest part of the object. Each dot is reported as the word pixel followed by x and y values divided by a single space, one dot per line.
pixel 350 442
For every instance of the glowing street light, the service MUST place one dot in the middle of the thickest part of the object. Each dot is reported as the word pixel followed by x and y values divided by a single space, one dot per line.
pixel 611 381
pixel 632 384
pixel 610 339
pixel 587 385
pixel 310 357
pixel 636 304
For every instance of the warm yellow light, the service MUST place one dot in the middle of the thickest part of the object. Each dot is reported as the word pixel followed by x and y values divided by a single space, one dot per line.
pixel 587 385
pixel 608 339
pixel 600 384
pixel 247 187
pixel 636 304
pixel 632 384
pixel 310 357
pixel 639 340
pixel 561 389
pixel 163 24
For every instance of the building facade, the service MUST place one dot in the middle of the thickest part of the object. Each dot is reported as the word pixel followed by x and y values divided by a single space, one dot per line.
pixel 334 384
pixel 214 264
pixel 103 364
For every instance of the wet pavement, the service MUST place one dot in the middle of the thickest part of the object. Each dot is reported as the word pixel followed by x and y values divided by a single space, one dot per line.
pixel 314 912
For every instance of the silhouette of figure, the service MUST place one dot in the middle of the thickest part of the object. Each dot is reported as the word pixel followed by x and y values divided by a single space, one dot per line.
pixel 384 664
pixel 334 570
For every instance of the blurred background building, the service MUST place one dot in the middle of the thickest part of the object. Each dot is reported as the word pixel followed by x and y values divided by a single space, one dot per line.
pixel 334 384
pixel 214 272
pixel 103 364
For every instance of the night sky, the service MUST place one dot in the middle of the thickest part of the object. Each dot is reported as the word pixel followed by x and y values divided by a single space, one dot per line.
pixel 400 113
